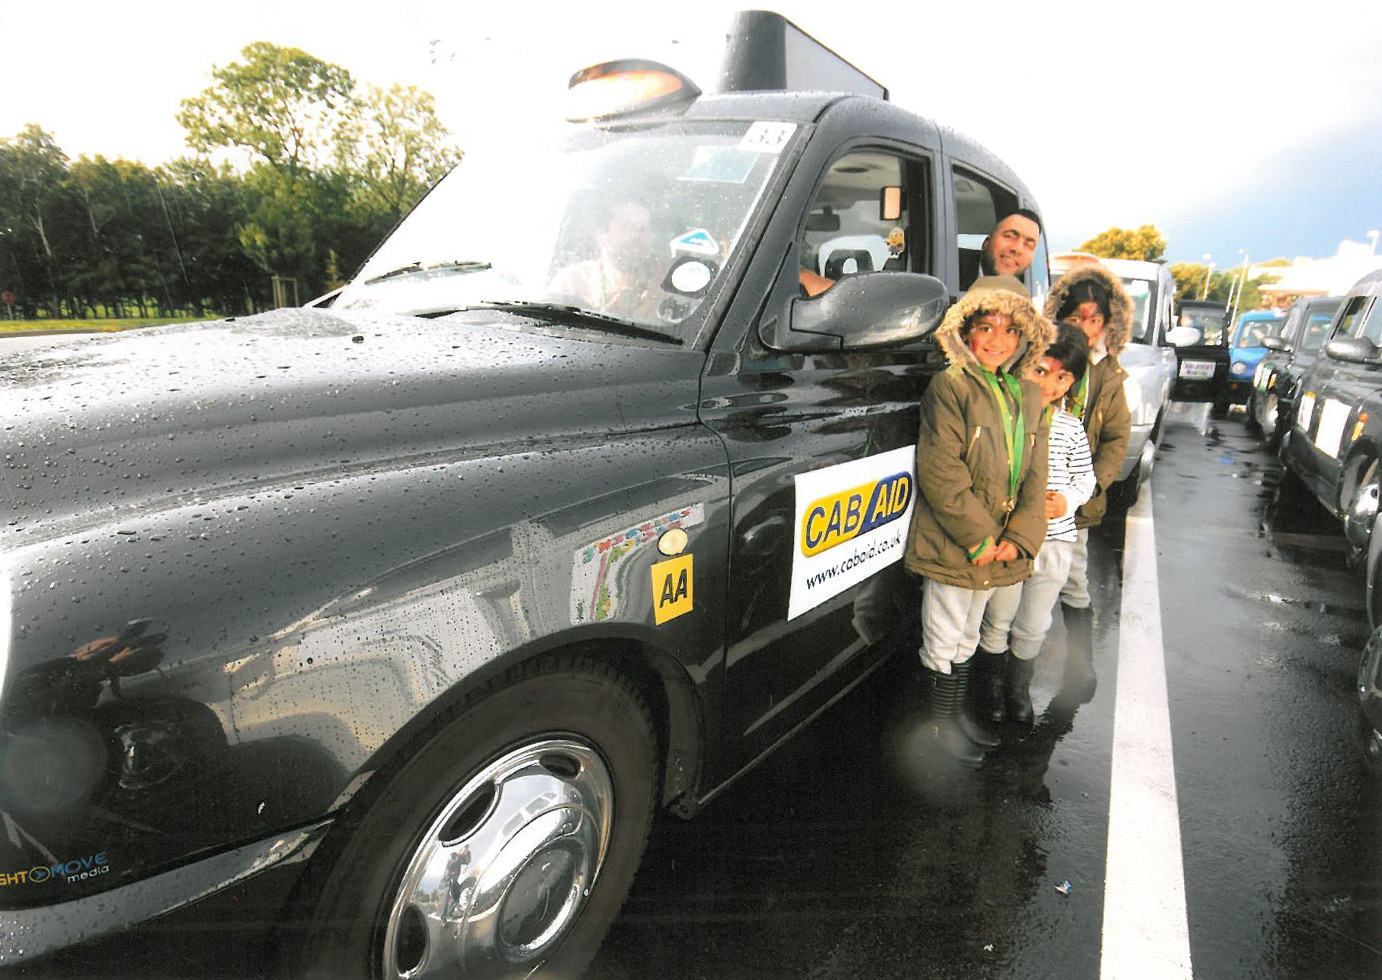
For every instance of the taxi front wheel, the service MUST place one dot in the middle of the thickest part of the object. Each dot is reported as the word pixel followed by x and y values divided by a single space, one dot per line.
pixel 504 846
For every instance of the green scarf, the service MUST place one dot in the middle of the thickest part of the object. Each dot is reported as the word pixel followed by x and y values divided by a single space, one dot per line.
pixel 1014 425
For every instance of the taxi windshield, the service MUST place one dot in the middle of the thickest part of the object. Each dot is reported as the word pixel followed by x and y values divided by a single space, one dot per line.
pixel 635 225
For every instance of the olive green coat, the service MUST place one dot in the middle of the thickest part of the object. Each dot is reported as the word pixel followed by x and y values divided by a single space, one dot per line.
pixel 962 458
pixel 1107 421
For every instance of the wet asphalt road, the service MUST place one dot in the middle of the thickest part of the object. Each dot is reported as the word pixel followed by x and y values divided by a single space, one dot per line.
pixel 844 856
pixel 848 854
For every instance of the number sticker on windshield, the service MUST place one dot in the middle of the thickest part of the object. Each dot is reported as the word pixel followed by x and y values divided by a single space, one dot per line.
pixel 768 137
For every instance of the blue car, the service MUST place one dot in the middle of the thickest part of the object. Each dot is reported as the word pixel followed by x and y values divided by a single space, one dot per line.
pixel 1245 351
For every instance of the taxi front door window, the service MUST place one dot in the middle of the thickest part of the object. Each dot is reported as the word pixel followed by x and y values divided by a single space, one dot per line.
pixel 858 221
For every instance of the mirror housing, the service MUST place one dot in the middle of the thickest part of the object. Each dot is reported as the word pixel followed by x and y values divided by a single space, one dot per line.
pixel 1276 344
pixel 1354 350
pixel 873 309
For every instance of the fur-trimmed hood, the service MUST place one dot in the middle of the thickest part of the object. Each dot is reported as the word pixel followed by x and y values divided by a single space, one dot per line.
pixel 1118 329
pixel 988 294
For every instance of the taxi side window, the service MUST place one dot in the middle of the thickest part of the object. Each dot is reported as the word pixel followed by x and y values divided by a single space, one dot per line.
pixel 1371 326
pixel 1350 316
pixel 862 219
pixel 979 203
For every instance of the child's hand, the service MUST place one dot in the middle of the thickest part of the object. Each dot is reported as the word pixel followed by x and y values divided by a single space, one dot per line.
pixel 1056 504
pixel 1004 551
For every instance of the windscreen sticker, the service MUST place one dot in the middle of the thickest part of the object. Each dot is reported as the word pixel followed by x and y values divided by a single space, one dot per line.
pixel 1333 417
pixel 851 521
pixel 698 242
pixel 766 136
pixel 600 571
pixel 721 165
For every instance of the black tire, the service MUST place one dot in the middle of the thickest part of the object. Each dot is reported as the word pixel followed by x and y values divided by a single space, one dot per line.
pixel 519 824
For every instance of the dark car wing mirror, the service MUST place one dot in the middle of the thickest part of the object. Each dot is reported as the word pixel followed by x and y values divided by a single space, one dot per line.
pixel 1354 350
pixel 1276 344
pixel 873 309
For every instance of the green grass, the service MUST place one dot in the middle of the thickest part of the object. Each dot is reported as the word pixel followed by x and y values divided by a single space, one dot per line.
pixel 87 326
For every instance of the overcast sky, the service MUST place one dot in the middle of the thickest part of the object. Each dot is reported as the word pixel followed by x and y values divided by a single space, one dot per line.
pixel 1227 125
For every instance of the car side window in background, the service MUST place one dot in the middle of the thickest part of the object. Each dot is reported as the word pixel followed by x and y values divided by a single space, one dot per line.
pixel 868 216
pixel 1316 329
pixel 1370 325
pixel 1348 319
pixel 979 203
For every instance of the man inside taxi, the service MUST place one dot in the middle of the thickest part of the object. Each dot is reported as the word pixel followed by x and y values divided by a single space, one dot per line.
pixel 1007 251
pixel 618 281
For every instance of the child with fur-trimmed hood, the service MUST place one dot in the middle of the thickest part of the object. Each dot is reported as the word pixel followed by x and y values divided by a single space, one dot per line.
pixel 980 512
pixel 1092 298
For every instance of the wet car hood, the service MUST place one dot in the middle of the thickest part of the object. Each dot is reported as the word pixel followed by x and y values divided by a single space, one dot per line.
pixel 168 413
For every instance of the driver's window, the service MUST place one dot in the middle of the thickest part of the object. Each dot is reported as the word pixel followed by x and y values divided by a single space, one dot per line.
pixel 858 221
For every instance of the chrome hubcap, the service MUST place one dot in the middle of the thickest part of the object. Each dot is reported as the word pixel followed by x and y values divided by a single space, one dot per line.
pixel 1361 514
pixel 506 867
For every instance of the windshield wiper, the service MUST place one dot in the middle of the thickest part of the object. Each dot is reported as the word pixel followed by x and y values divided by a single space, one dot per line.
pixel 579 317
pixel 413 268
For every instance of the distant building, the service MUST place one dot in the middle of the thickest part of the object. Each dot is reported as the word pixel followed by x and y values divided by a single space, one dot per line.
pixel 1333 276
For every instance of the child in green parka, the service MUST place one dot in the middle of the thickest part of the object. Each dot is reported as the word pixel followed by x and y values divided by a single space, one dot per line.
pixel 980 512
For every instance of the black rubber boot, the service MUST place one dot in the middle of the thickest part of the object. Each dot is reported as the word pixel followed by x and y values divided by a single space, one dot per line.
pixel 968 724
pixel 1080 680
pixel 986 684
pixel 1019 689
pixel 944 693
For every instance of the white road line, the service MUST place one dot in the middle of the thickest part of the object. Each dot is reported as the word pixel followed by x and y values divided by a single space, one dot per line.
pixel 1145 933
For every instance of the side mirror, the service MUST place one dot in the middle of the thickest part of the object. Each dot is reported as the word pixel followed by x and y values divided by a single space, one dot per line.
pixel 1183 336
pixel 1354 350
pixel 874 309
pixel 1276 344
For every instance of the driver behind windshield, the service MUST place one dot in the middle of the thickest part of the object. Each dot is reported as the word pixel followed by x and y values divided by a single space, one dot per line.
pixel 619 280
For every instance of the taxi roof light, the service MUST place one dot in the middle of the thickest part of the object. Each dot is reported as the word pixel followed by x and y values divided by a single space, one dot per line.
pixel 615 88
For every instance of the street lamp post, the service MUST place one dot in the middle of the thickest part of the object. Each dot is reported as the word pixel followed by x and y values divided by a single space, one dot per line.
pixel 1208 274
pixel 1240 281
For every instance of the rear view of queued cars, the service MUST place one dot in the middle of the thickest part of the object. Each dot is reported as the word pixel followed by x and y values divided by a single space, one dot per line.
pixel 1316 396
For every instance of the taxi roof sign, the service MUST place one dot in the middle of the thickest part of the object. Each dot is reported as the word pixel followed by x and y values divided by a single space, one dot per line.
pixel 768 53
pixel 613 88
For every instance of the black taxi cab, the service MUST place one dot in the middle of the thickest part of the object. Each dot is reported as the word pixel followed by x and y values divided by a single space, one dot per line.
pixel 1335 438
pixel 411 608
pixel 1276 382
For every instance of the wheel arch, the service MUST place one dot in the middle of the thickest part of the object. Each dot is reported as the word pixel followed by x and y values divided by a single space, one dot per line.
pixel 671 696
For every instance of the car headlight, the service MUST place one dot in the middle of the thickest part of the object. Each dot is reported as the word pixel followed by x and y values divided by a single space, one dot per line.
pixel 1239 368
pixel 1133 392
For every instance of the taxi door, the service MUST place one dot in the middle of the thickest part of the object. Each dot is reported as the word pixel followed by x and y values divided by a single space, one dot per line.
pixel 820 445
pixel 1330 395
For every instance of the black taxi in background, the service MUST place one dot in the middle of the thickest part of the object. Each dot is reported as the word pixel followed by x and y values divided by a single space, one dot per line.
pixel 411 608
pixel 1275 385
pixel 1335 438
pixel 1200 336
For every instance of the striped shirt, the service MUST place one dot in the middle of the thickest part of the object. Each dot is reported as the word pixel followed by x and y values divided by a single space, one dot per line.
pixel 1069 472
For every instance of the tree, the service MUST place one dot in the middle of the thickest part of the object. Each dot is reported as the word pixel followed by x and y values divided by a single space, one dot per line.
pixel 282 106
pixel 392 148
pixel 32 170
pixel 1119 243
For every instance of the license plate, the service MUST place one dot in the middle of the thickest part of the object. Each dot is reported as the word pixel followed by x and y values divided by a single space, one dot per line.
pixel 1197 370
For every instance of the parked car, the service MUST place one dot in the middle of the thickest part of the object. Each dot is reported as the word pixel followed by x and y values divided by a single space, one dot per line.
pixel 411 608
pixel 1245 351
pixel 1149 358
pixel 1200 337
pixel 1289 354
pixel 1335 438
